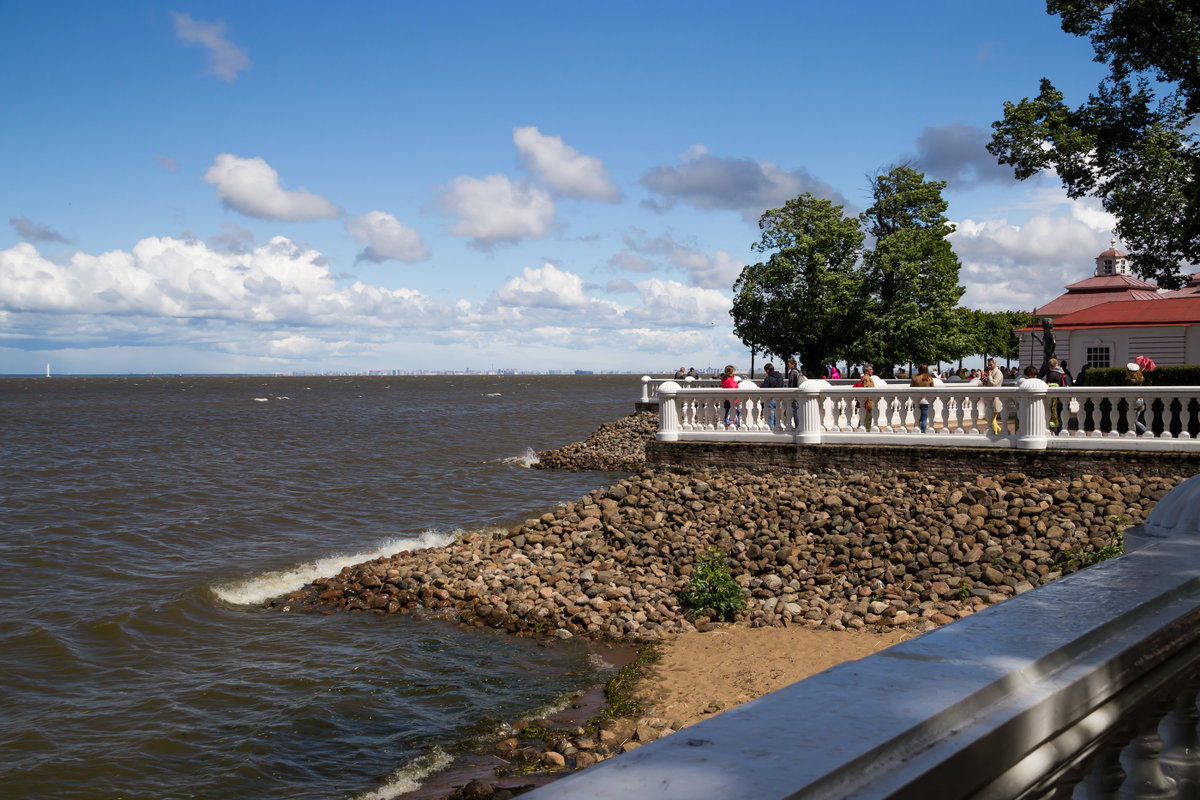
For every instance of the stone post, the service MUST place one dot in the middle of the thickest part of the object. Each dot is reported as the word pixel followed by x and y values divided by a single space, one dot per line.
pixel 646 388
pixel 1032 431
pixel 808 412
pixel 668 412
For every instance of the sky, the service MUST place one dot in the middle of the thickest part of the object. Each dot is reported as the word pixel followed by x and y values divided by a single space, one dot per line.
pixel 233 187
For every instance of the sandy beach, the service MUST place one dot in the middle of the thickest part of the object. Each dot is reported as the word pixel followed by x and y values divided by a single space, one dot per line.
pixel 699 674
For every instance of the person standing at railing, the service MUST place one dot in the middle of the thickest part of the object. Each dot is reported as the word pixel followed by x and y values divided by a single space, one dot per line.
pixel 1056 377
pixel 680 374
pixel 867 381
pixel 771 380
pixel 794 379
pixel 923 378
pixel 992 376
pixel 1134 377
pixel 730 381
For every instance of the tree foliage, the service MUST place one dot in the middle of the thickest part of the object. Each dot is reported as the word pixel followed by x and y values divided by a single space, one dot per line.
pixel 1133 143
pixel 823 298
pixel 911 275
pixel 805 298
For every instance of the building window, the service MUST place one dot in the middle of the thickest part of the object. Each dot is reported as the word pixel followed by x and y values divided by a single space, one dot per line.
pixel 1099 357
pixel 1108 266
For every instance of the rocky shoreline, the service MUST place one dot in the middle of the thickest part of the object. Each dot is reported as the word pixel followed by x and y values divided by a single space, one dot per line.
pixel 832 551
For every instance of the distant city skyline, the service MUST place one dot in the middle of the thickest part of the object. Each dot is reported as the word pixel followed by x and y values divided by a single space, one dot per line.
pixel 553 187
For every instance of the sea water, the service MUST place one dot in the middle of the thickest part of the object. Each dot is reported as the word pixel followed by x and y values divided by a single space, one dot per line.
pixel 145 520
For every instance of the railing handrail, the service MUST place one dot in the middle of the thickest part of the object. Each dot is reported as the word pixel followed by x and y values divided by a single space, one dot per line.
pixel 1029 415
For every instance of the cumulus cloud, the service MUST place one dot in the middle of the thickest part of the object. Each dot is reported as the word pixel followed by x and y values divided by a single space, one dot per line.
pixel 672 303
pixel 749 187
pixel 225 59
pixel 387 239
pixel 35 232
pixel 957 154
pixel 547 287
pixel 495 210
pixel 563 168
pixel 1019 267
pixel 277 283
pixel 251 186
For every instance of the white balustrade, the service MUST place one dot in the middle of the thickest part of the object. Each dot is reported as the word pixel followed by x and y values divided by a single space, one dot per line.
pixel 1083 688
pixel 1029 416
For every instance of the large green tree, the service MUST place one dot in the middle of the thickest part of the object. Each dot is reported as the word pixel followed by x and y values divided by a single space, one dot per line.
pixel 1133 143
pixel 805 299
pixel 911 274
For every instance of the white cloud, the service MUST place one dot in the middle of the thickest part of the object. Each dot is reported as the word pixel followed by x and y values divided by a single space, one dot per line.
pixel 278 303
pixel 386 238
pixel 494 210
pixel 671 303
pixel 225 59
pixel 251 186
pixel 1020 267
pixel 276 283
pixel 563 168
pixel 548 287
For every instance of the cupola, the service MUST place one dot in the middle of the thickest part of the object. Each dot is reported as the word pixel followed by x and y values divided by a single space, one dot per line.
pixel 1112 261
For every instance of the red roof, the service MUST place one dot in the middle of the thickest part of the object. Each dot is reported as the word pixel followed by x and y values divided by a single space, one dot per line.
pixel 1192 289
pixel 1097 290
pixel 1163 311
pixel 1111 253
pixel 1109 283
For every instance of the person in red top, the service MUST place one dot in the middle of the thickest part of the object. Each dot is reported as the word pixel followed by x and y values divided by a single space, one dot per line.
pixel 731 382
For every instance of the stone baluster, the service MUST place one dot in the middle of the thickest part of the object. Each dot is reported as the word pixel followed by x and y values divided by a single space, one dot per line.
pixel 1181 755
pixel 1145 779
pixel 1107 775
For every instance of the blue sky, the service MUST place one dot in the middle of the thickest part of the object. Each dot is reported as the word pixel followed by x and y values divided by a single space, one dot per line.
pixel 267 187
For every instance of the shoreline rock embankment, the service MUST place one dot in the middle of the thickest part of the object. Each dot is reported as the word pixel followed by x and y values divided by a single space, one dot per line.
pixel 618 446
pixel 823 550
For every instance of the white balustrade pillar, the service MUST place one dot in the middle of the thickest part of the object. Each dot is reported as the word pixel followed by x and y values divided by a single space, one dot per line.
pixel 1032 430
pixel 646 388
pixel 668 412
pixel 808 412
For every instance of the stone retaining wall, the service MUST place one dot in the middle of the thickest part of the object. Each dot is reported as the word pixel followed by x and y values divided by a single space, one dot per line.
pixel 942 462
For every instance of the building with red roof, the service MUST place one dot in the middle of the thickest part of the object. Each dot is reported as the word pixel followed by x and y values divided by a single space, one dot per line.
pixel 1113 317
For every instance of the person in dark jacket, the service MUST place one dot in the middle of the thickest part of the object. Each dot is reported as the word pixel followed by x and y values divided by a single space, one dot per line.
pixel 771 380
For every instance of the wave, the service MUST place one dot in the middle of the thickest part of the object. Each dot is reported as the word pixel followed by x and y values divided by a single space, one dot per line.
pixel 526 459
pixel 408 778
pixel 262 587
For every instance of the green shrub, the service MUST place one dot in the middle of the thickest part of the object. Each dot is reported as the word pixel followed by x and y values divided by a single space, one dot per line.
pixel 712 586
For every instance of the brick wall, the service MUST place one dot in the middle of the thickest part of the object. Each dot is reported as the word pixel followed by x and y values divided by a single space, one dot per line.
pixel 943 462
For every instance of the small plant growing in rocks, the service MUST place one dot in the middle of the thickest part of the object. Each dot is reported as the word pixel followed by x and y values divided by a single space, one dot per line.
pixel 712 586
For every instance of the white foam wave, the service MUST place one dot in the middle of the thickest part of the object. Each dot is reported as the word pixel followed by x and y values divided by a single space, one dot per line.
pixel 262 587
pixel 526 459
pixel 408 778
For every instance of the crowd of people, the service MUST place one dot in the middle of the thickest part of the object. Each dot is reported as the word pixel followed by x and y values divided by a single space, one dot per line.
pixel 1053 372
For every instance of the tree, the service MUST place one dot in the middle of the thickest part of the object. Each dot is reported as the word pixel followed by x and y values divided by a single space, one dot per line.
pixel 1134 143
pixel 805 299
pixel 911 274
